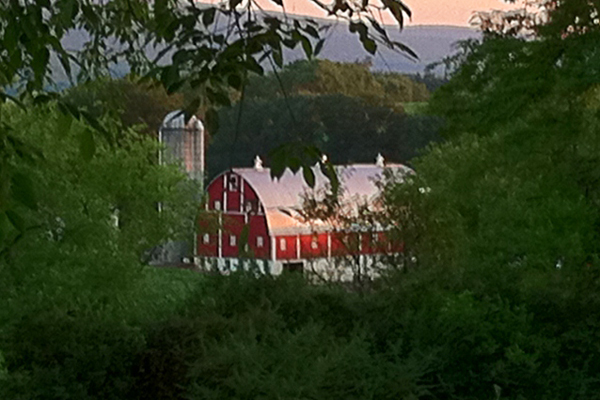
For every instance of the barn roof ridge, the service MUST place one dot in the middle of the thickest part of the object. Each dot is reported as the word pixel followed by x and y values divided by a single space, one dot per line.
pixel 286 193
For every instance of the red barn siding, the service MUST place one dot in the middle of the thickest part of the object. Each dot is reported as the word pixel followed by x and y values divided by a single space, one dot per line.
pixel 338 247
pixel 208 225
pixel 240 207
pixel 251 202
pixel 209 249
pixel 379 243
pixel 233 192
pixel 344 243
pixel 215 192
pixel 232 226
pixel 291 250
pixel 258 228
pixel 312 246
pixel 370 242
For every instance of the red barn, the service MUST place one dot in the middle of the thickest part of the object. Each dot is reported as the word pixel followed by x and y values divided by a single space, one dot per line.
pixel 260 217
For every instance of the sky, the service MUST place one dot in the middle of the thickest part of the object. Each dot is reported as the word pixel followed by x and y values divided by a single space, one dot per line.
pixel 425 12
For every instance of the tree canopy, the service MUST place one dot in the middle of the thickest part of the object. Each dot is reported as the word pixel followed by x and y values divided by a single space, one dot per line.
pixel 346 111
pixel 497 295
pixel 324 77
pixel 209 49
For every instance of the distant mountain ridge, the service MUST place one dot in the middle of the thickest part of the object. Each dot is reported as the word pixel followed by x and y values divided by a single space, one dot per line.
pixel 431 42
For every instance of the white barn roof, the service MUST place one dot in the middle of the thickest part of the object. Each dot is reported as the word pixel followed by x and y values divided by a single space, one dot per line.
pixel 281 198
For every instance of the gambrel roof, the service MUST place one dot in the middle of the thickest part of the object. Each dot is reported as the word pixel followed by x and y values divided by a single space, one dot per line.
pixel 283 197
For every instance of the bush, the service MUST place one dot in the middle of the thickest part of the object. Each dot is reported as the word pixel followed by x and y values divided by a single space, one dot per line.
pixel 248 337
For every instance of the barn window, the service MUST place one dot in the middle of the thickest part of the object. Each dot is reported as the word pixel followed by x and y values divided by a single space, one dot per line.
pixel 233 183
pixel 217 204
pixel 282 245
pixel 260 242
pixel 232 240
pixel 206 238
pixel 314 244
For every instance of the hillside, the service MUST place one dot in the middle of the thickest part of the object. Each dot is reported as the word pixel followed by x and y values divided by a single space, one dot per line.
pixel 430 42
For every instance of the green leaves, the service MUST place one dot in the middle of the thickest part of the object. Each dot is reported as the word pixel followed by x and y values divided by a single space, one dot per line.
pixel 234 3
pixel 87 145
pixel 64 123
pixel 218 97
pixel 16 220
pixel 319 47
pixel 363 34
pixel 208 16
pixel 309 176
pixel 22 190
pixel 369 45
pixel 295 156
pixel 306 46
pixel 68 12
pixel 211 121
pixel 405 49
pixel 398 9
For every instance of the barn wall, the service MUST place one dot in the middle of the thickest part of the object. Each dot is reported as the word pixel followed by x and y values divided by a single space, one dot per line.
pixel 291 250
pixel 208 226
pixel 258 228
pixel 344 243
pixel 232 227
pixel 312 246
pixel 215 192
pixel 242 211
pixel 234 192
pixel 241 208
pixel 252 204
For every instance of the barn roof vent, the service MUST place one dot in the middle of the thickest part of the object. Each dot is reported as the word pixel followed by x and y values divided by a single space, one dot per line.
pixel 380 161
pixel 258 164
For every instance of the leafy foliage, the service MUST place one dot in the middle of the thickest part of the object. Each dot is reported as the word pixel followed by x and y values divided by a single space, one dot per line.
pixel 501 300
pixel 323 77
pixel 135 104
pixel 344 128
pixel 68 283
pixel 516 175
pixel 343 110
pixel 207 58
pixel 81 193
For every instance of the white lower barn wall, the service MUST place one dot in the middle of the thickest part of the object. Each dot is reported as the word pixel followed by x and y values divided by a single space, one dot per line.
pixel 342 269
pixel 226 265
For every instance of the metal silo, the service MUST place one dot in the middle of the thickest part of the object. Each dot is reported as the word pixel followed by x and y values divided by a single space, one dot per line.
pixel 183 144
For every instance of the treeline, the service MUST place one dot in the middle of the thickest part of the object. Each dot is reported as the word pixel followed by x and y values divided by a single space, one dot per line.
pixel 322 77
pixel 351 113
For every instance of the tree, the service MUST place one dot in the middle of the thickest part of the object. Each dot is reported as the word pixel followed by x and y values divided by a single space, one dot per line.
pixel 348 112
pixel 202 56
pixel 541 18
pixel 344 128
pixel 78 267
pixel 133 103
pixel 324 77
pixel 515 183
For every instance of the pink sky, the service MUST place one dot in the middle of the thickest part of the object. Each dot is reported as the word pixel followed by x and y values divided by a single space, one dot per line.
pixel 425 12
